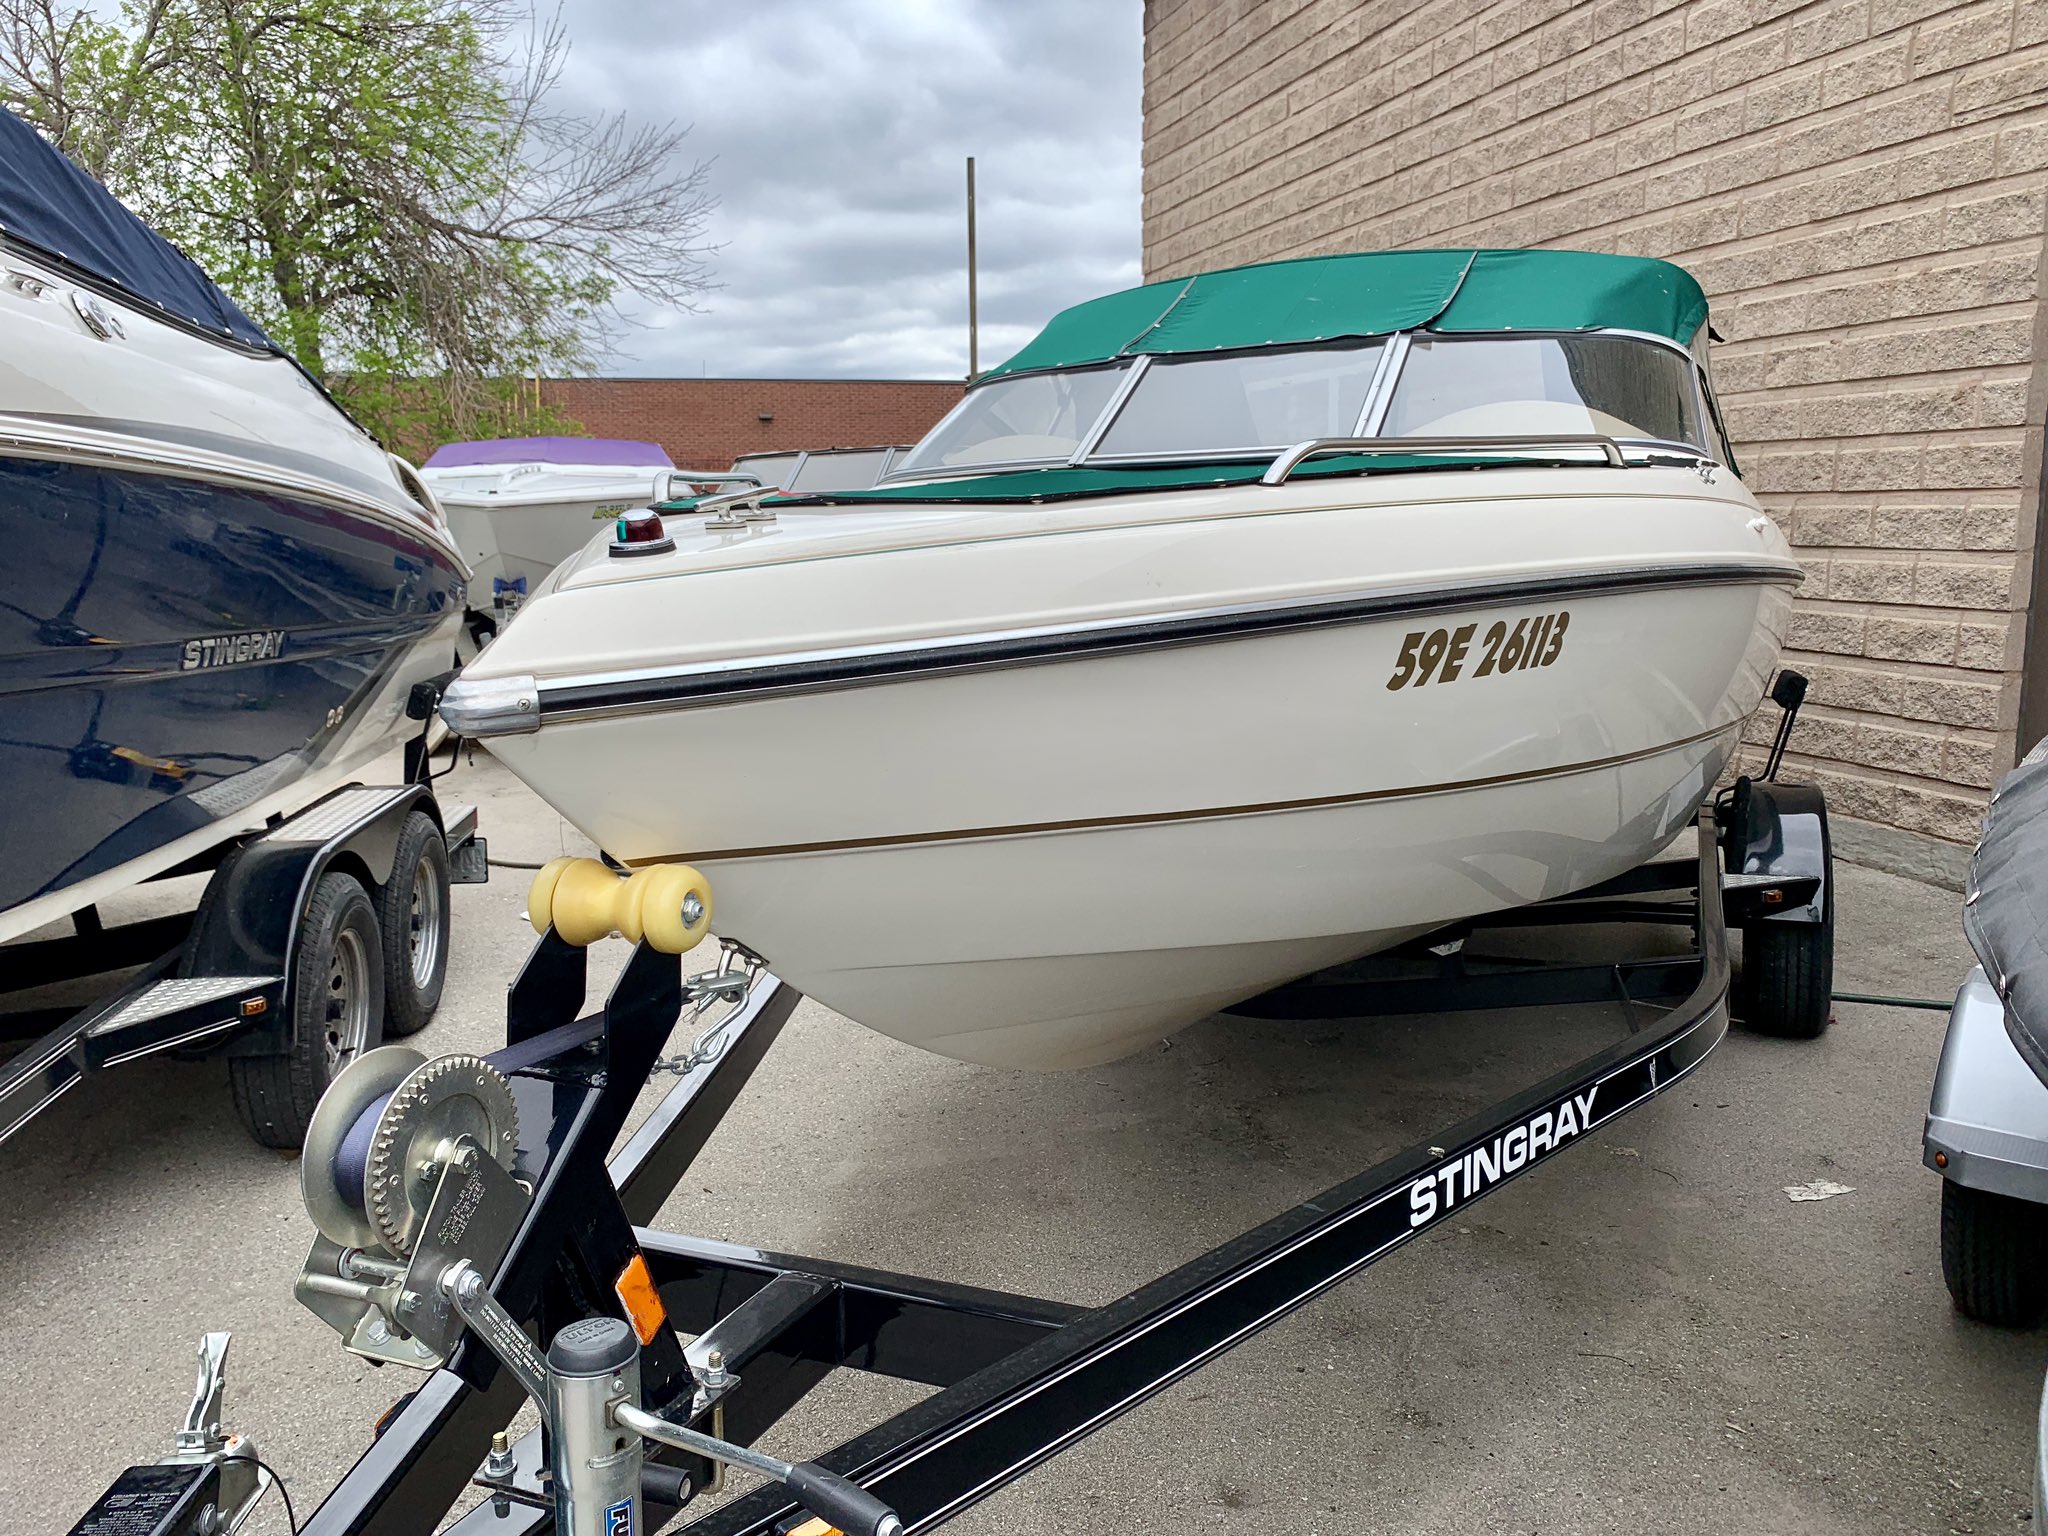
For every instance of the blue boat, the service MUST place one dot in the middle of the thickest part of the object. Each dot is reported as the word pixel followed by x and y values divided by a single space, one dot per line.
pixel 217 592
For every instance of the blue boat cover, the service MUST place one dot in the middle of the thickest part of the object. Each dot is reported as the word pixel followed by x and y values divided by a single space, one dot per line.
pixel 50 204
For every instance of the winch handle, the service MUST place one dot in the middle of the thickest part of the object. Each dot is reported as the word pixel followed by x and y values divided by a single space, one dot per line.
pixel 838 1502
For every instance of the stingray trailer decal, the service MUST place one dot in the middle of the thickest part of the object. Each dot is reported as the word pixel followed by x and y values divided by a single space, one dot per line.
pixel 1508 1153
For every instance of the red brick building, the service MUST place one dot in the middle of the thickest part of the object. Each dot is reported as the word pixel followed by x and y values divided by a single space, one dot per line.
pixel 707 423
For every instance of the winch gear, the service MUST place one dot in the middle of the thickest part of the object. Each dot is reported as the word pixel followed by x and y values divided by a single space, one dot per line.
pixel 447 1097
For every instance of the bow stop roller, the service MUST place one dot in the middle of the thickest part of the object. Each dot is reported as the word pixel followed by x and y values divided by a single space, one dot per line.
pixel 406 1172
pixel 665 906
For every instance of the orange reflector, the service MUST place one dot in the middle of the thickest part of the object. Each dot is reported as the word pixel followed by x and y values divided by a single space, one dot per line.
pixel 251 1006
pixel 635 1287
pixel 815 1527
pixel 1941 1159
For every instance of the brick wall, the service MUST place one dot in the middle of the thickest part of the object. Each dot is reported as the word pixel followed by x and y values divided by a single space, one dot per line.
pixel 707 423
pixel 1857 183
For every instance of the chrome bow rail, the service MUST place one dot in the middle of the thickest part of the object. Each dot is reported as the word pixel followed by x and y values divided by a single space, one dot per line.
pixel 1292 459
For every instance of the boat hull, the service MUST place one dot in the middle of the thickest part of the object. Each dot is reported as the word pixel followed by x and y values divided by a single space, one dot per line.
pixel 1053 864
pixel 182 656
pixel 512 547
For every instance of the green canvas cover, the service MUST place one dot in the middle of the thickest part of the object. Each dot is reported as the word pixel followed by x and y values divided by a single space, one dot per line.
pixel 1327 298
pixel 1575 291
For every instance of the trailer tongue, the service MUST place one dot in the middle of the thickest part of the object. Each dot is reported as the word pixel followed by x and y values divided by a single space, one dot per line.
pixel 466 1208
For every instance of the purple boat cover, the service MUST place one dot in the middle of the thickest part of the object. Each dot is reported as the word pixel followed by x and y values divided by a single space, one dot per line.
pixel 551 450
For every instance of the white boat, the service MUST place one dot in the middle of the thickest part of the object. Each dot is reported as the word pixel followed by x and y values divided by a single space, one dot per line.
pixel 1239 626
pixel 519 506
pixel 217 593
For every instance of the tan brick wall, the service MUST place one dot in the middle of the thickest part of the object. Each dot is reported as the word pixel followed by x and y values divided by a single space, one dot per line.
pixel 1857 183
pixel 707 423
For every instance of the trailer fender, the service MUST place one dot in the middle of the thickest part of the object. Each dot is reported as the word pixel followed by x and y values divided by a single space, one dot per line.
pixel 1778 859
pixel 248 922
pixel 1987 1119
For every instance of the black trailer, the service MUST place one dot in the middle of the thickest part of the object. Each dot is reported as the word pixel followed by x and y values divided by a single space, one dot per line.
pixel 316 937
pixel 668 1356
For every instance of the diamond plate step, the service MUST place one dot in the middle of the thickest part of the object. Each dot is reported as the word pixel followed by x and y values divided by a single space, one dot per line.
pixel 345 810
pixel 167 997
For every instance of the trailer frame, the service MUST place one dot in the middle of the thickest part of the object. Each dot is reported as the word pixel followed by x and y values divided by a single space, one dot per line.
pixel 1019 1378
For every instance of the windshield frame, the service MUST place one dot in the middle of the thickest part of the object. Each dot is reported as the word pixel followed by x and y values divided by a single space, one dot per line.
pixel 1372 416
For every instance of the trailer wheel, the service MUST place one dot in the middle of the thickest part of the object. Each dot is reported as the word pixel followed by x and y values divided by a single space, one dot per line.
pixel 337 991
pixel 413 919
pixel 1994 1255
pixel 1788 976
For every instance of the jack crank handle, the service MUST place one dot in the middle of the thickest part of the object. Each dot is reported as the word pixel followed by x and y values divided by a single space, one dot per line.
pixel 839 1502
pixel 827 1495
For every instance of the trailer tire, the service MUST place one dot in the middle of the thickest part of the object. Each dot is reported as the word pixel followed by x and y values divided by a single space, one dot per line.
pixel 1788 977
pixel 413 919
pixel 1994 1255
pixel 337 994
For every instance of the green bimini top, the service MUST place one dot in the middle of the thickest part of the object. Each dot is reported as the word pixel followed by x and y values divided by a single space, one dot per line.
pixel 1332 298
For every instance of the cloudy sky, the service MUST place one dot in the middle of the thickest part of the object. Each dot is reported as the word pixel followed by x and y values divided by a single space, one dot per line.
pixel 837 132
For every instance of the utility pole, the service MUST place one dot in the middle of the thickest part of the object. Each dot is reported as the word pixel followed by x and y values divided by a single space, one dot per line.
pixel 973 314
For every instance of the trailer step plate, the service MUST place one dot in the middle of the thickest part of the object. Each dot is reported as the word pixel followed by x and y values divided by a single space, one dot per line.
pixel 177 995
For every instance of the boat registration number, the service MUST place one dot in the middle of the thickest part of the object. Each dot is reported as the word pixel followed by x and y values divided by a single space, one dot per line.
pixel 1442 655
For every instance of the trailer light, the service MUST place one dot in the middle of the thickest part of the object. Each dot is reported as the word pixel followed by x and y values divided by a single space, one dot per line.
pixel 1941 1159
pixel 252 1006
pixel 639 532
pixel 815 1527
pixel 1773 898
pixel 636 1293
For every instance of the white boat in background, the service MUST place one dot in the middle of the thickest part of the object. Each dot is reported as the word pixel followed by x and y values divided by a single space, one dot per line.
pixel 1353 597
pixel 519 506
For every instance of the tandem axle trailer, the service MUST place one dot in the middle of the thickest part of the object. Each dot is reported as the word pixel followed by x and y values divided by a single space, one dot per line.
pixel 504 1255
pixel 316 937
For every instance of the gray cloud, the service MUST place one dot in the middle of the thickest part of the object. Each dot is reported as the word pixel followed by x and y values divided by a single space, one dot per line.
pixel 837 131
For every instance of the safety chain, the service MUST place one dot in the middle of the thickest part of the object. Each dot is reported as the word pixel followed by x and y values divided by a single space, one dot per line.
pixel 730 983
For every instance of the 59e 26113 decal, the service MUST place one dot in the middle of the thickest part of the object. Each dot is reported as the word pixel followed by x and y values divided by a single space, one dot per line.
pixel 1440 655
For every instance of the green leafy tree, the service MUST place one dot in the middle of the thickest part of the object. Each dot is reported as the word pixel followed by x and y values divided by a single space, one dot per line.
pixel 380 183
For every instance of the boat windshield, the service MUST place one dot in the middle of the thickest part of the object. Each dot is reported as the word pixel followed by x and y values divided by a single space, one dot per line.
pixel 1249 400
pixel 1482 386
pixel 1033 417
pixel 851 470
pixel 1256 403
pixel 768 468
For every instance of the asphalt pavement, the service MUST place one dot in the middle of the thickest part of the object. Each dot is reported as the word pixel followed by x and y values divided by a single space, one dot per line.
pixel 1645 1334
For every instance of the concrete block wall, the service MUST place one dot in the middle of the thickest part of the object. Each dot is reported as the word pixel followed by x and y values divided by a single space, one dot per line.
pixel 1859 185
pixel 707 423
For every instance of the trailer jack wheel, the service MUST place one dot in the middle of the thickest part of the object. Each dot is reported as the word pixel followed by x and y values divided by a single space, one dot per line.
pixel 337 1013
pixel 413 922
pixel 1994 1255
